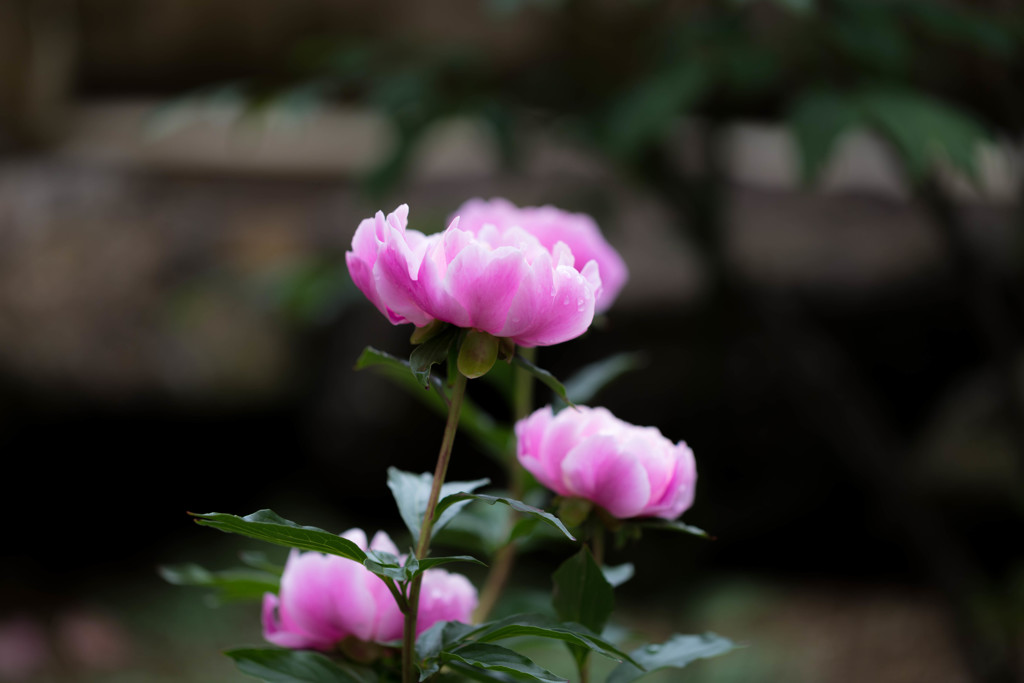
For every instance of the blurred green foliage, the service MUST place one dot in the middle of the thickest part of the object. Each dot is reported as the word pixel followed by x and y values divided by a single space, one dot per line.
pixel 933 79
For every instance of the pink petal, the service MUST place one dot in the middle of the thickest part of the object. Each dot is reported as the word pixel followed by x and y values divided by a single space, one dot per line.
pixel 445 597
pixel 485 283
pixel 597 470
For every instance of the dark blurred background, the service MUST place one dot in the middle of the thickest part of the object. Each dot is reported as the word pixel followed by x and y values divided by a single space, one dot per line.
pixel 819 203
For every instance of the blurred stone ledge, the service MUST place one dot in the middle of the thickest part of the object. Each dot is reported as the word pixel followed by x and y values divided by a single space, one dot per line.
pixel 142 254
pixel 338 140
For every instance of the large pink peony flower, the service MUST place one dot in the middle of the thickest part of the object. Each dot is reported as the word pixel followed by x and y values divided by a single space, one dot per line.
pixel 552 225
pixel 499 280
pixel 589 453
pixel 325 599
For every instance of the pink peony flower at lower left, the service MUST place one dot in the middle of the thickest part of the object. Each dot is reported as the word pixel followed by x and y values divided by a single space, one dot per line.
pixel 325 599
pixel 499 279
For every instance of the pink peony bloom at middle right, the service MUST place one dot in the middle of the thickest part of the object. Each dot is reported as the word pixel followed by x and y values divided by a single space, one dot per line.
pixel 589 453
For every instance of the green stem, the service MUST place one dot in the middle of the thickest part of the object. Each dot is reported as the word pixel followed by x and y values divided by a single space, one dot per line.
pixel 501 566
pixel 597 544
pixel 423 546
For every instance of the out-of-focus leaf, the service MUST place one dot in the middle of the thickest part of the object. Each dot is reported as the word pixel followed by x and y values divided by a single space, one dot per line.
pixel 584 385
pixel 412 491
pixel 675 653
pixel 544 376
pixel 258 560
pixel 818 118
pixel 871 35
pixel 672 525
pixel 540 626
pixel 795 6
pixel 619 574
pixel 431 642
pixel 517 505
pixel 297 666
pixel 313 291
pixel 230 585
pixel 582 594
pixel 646 114
pixel 961 25
pixel 477 527
pixel 924 130
pixel 267 525
pixel 495 658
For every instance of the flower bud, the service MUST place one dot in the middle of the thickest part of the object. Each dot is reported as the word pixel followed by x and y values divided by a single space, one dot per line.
pixel 478 353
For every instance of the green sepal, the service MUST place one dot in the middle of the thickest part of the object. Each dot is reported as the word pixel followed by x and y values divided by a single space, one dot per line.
pixel 430 353
pixel 427 332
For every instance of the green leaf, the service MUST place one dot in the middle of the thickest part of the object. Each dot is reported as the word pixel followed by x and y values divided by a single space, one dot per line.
pixel 431 642
pixel 430 353
pixel 584 385
pixel 399 369
pixel 540 626
pixel 924 130
pixel 963 26
pixel 499 659
pixel 818 118
pixel 297 666
pixel 676 652
pixel 266 525
pixel 478 527
pixel 231 584
pixel 647 113
pixel 619 574
pixel 544 376
pixel 674 525
pixel 412 491
pixel 259 560
pixel 431 562
pixel 517 505
pixel 582 594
